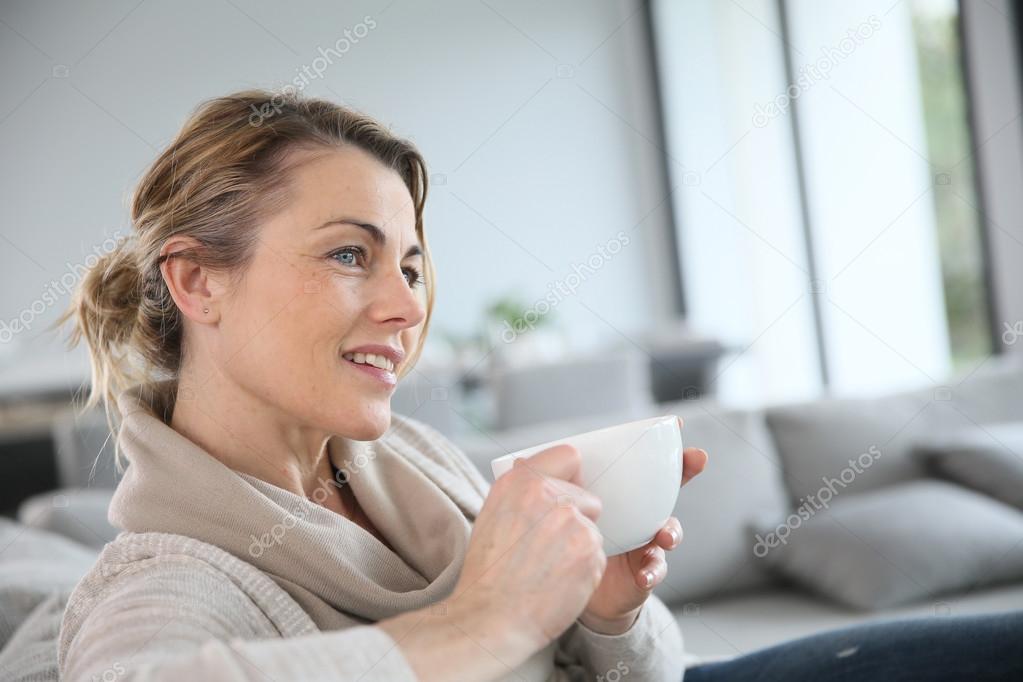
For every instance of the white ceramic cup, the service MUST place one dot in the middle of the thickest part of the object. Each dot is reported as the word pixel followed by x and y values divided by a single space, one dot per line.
pixel 634 468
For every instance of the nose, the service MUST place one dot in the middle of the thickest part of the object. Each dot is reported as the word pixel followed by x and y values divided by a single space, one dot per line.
pixel 398 303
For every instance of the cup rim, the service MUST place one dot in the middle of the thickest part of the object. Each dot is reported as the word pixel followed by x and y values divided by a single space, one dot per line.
pixel 555 441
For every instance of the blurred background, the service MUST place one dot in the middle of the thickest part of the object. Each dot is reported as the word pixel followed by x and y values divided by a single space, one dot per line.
pixel 797 222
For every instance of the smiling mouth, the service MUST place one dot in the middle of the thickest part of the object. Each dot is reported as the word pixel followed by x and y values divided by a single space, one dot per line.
pixel 378 361
pixel 384 373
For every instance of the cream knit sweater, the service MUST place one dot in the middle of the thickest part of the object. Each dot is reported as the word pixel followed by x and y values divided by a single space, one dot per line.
pixel 221 576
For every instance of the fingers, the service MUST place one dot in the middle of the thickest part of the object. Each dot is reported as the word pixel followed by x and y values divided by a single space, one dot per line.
pixel 693 462
pixel 652 569
pixel 550 465
pixel 561 461
pixel 670 536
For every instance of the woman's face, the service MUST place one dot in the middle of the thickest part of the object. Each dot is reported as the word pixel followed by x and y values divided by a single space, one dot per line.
pixel 320 286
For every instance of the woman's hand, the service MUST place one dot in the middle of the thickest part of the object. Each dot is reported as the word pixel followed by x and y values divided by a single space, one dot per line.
pixel 534 559
pixel 624 587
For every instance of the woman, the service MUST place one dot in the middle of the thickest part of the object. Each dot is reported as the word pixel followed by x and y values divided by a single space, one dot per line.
pixel 280 523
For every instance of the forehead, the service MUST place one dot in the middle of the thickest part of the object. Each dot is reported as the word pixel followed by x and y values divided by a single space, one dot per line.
pixel 351 182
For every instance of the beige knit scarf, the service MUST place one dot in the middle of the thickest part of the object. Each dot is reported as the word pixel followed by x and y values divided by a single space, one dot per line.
pixel 420 498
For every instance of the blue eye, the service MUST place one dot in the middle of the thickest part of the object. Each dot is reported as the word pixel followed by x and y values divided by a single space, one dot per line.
pixel 415 278
pixel 347 251
pixel 412 275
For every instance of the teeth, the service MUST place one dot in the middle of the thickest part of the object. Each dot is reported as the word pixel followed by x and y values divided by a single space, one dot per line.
pixel 370 359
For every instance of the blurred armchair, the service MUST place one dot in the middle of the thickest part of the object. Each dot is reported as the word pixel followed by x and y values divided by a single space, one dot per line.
pixel 613 382
pixel 87 476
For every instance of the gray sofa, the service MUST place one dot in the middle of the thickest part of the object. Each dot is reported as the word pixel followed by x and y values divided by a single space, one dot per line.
pixel 763 464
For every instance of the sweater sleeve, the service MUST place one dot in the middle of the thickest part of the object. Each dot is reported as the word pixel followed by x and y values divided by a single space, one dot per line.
pixel 651 650
pixel 160 624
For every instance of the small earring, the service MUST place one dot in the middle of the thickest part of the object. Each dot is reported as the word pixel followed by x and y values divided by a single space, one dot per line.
pixel 205 310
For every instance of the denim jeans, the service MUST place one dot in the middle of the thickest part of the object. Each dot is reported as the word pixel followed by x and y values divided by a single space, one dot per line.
pixel 961 648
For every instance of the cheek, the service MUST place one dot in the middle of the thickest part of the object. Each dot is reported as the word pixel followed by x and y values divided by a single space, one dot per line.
pixel 337 301
pixel 284 323
pixel 290 355
pixel 316 323
pixel 410 339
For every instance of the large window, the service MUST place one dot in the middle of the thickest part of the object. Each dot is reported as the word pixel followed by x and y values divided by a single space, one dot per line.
pixel 935 27
pixel 828 222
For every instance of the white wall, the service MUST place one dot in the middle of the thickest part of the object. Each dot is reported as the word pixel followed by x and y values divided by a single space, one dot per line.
pixel 538 116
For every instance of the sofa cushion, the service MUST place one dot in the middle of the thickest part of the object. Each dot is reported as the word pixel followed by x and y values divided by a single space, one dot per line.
pixel 76 513
pixel 988 459
pixel 31 654
pixel 34 565
pixel 818 442
pixel 892 546
pixel 742 481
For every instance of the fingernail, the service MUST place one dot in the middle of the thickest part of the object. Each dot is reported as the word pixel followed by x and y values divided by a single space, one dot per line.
pixel 648 578
pixel 674 536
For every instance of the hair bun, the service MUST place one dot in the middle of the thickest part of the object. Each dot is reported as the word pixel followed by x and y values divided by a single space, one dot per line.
pixel 113 294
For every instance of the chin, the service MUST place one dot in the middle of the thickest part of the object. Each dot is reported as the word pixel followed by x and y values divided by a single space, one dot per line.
pixel 371 425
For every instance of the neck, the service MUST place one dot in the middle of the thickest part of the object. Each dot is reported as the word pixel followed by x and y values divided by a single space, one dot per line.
pixel 251 437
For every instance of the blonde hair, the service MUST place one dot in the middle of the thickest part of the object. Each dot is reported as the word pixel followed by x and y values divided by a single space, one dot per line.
pixel 226 169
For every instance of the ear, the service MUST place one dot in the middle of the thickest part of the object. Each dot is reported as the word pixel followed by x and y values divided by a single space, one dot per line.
pixel 196 293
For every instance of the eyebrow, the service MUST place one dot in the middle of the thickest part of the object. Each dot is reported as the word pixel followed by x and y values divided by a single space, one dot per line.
pixel 375 233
